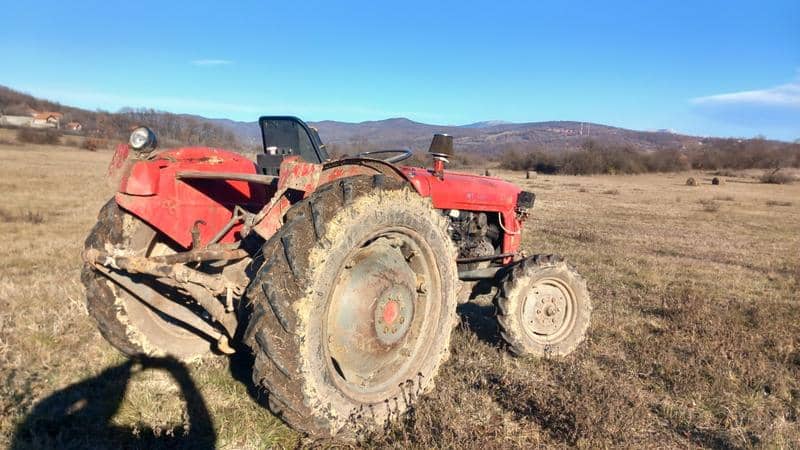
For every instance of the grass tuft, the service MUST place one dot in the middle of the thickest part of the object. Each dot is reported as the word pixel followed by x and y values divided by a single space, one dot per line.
pixel 28 216
pixel 709 205
pixel 778 203
pixel 777 177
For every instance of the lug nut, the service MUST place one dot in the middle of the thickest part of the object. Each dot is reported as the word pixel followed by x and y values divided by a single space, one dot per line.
pixel 422 287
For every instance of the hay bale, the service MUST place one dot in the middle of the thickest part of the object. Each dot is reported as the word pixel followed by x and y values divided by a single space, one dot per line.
pixel 530 174
pixel 716 181
pixel 691 182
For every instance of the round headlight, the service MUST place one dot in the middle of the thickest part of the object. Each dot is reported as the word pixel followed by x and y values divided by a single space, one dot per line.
pixel 142 139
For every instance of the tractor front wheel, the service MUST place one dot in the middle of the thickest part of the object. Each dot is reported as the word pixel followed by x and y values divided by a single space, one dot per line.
pixel 354 307
pixel 543 307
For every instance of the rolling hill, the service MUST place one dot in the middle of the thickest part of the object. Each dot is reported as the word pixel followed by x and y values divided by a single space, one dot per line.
pixel 485 138
pixel 479 138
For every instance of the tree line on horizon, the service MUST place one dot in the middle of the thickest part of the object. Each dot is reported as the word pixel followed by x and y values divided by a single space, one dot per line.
pixel 171 129
pixel 598 158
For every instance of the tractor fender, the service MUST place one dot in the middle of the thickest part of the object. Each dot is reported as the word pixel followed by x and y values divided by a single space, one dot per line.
pixel 150 190
pixel 142 179
pixel 367 166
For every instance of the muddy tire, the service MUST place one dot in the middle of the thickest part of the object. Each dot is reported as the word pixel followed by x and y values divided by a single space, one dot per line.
pixel 543 307
pixel 123 320
pixel 353 308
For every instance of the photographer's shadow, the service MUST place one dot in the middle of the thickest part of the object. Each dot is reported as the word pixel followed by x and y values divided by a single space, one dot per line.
pixel 80 415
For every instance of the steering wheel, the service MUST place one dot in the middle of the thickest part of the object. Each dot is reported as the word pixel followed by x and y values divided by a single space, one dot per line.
pixel 402 155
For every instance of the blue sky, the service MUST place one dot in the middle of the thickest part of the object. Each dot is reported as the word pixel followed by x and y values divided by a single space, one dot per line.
pixel 724 68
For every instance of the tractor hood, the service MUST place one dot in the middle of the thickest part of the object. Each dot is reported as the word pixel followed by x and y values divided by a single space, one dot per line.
pixel 463 191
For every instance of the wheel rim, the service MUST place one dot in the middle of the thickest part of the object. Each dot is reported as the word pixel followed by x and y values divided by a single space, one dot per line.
pixel 548 313
pixel 381 313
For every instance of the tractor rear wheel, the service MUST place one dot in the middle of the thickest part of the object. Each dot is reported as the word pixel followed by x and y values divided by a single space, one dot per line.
pixel 353 307
pixel 543 307
pixel 125 321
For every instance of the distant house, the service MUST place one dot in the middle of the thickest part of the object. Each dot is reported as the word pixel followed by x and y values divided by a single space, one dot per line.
pixel 46 120
pixel 74 126
pixel 25 116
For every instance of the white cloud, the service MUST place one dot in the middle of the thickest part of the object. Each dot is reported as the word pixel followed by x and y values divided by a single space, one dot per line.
pixel 785 95
pixel 773 111
pixel 211 62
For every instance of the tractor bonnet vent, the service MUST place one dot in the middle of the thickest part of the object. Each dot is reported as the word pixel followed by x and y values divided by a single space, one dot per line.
pixel 442 144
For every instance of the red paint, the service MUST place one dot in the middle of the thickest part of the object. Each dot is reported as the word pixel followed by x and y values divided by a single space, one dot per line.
pixel 438 167
pixel 150 191
pixel 345 171
pixel 390 312
pixel 118 160
pixel 469 192
pixel 298 175
pixel 142 179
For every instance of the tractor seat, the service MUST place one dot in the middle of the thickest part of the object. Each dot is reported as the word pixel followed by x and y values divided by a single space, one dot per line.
pixel 286 136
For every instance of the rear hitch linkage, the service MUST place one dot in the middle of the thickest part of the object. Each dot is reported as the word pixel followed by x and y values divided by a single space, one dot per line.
pixel 202 287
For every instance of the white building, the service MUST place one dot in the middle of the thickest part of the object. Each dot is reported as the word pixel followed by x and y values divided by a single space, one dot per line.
pixel 16 121
pixel 46 120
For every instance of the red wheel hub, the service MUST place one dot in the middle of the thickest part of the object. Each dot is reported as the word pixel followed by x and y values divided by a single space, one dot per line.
pixel 391 311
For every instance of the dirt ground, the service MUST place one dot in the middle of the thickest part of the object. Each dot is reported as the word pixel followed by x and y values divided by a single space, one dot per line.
pixel 695 338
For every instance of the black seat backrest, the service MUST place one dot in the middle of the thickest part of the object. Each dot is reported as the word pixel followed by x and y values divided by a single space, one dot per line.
pixel 284 136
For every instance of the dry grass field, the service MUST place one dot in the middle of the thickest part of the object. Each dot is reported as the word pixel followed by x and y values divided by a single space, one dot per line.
pixel 695 338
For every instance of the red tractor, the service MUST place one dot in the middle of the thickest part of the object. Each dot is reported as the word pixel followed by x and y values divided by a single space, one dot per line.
pixel 341 276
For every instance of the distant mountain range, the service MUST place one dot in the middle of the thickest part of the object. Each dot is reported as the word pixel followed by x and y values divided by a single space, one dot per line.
pixel 488 137
pixel 487 124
